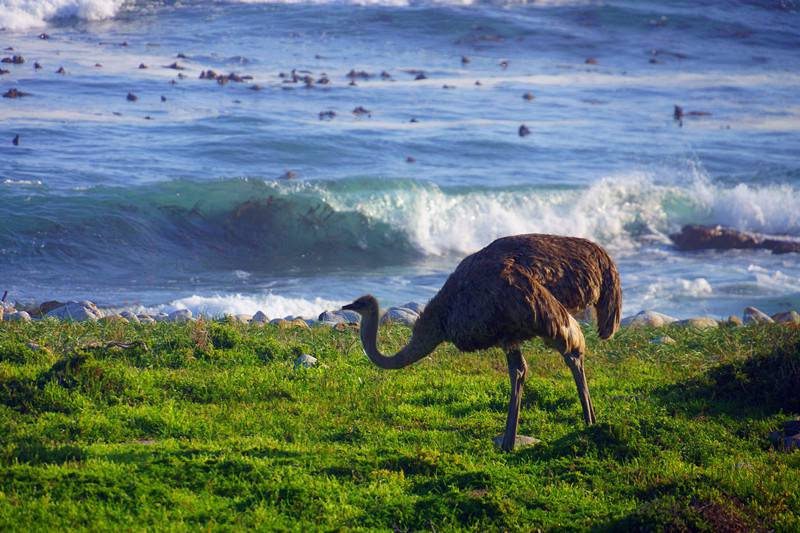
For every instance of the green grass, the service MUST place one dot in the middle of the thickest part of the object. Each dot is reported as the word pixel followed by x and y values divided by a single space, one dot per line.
pixel 211 427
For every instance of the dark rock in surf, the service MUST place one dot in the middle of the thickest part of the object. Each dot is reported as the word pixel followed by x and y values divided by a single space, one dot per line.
pixel 15 93
pixel 523 131
pixel 14 60
pixel 698 237
pixel 131 97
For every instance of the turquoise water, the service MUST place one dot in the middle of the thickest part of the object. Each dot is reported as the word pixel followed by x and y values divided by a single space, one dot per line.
pixel 183 201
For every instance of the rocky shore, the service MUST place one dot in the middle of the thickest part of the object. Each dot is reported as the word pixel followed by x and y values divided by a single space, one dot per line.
pixel 406 314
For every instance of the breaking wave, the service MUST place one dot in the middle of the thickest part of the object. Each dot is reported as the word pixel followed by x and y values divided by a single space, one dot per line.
pixel 17 15
pixel 262 226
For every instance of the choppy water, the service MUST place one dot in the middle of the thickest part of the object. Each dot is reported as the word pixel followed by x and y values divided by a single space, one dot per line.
pixel 182 202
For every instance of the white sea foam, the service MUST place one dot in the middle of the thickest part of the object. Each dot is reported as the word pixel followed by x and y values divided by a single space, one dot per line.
pixel 17 15
pixel 275 306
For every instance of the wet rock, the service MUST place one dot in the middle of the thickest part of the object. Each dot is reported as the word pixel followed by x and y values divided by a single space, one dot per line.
pixel 410 159
pixel 180 316
pixel 142 66
pixel 465 60
pixel 13 60
pixel 163 98
pixel 18 316
pixel 385 75
pixel 528 96
pixel 400 315
pixel 781 247
pixel 752 315
pixel 504 64
pixel 259 318
pixel 360 111
pixel 787 317
pixel 358 75
pixel 703 322
pixel 305 361
pixel 327 115
pixel 131 97
pixel 61 70
pixel 697 237
pixel 289 175
pixel 76 312
pixel 523 131
pixel 664 339
pixel 15 140
pixel 15 93
pixel 420 76
pixel 4 71
pixel 174 66
pixel 591 61
pixel 43 36
pixel 648 319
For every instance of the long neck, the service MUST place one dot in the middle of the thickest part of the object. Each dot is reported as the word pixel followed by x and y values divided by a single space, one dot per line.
pixel 424 339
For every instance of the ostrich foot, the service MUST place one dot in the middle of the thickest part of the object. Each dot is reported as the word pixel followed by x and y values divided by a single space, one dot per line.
pixel 522 441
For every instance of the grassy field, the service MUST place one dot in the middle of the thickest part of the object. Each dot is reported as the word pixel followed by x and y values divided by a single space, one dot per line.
pixel 208 425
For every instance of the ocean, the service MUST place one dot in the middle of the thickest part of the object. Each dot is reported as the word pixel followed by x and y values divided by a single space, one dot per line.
pixel 246 194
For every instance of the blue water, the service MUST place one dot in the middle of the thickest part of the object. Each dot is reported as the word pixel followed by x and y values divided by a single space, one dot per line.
pixel 184 202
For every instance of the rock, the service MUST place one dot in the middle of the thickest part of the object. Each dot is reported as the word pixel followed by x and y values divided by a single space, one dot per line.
pixel 131 97
pixel 664 339
pixel 522 441
pixel 18 316
pixel 2 313
pixel 787 317
pixel 400 315
pixel 305 361
pixel 76 312
pixel 703 322
pixel 129 316
pixel 734 321
pixel 340 316
pixel 648 319
pixel 523 131
pixel 788 439
pixel 113 318
pixel 180 316
pixel 15 93
pixel 752 315
pixel 259 318
pixel 414 306
pixel 146 319
pixel 697 237
pixel 161 316
pixel 243 318
pixel 295 323
pixel 46 307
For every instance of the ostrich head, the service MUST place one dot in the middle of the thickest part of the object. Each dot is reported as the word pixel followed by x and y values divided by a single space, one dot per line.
pixel 364 305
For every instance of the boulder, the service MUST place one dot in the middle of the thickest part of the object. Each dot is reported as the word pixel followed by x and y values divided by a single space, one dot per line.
pixel 18 316
pixel 77 312
pixel 130 317
pixel 648 319
pixel 703 322
pixel 414 306
pixel 734 321
pixel 305 361
pixel 112 318
pixel 46 307
pixel 180 316
pixel 697 237
pixel 341 316
pixel 259 318
pixel 752 315
pixel 146 319
pixel 400 315
pixel 242 318
pixel 787 317
pixel 161 316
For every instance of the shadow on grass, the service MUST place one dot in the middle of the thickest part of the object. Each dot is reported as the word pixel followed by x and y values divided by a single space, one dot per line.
pixel 765 383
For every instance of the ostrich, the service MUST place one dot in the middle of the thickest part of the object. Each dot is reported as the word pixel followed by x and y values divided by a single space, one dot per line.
pixel 516 288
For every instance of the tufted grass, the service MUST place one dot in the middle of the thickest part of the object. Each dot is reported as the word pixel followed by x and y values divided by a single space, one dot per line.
pixel 211 427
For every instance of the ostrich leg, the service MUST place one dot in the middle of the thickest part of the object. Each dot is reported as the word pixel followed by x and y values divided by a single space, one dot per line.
pixel 517 371
pixel 574 361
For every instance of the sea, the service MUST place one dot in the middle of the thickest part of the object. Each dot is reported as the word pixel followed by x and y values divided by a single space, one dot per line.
pixel 342 147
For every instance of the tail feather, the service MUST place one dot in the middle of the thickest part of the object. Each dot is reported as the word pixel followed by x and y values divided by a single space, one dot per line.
pixel 609 307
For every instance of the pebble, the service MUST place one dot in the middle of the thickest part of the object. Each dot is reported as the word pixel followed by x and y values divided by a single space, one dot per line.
pixel 752 315
pixel 648 319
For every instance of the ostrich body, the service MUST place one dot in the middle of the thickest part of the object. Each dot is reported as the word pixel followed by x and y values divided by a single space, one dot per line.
pixel 516 288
